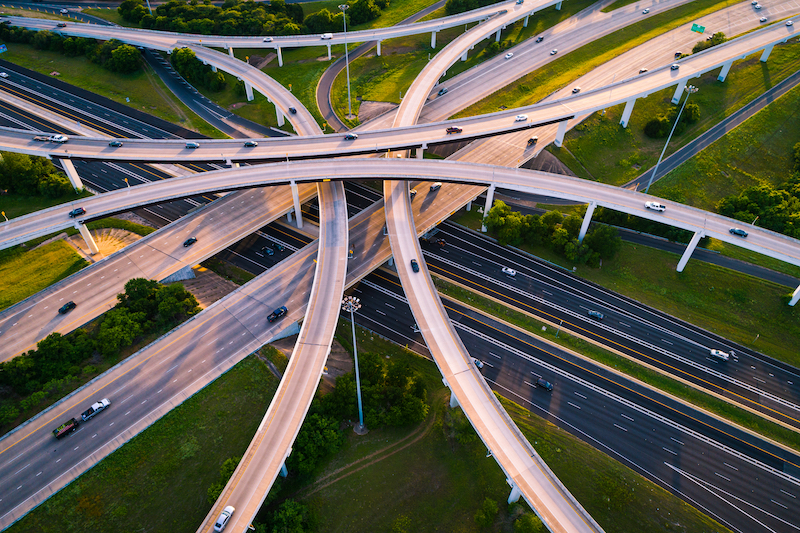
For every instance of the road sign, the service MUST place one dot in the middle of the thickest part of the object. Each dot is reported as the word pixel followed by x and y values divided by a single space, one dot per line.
pixel 698 28
pixel 3 48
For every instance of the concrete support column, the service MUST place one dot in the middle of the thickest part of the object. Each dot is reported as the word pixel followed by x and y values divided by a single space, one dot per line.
pixel 296 197
pixel 453 400
pixel 93 249
pixel 72 174
pixel 391 261
pixel 284 471
pixel 213 68
pixel 795 297
pixel 562 130
pixel 289 217
pixel 280 56
pixel 230 51
pixel 678 91
pixel 464 55
pixel 497 36
pixel 626 113
pixel 515 493
pixel 724 72
pixel 280 116
pixel 379 48
pixel 558 6
pixel 689 250
pixel 488 206
pixel 420 152
pixel 433 39
pixel 469 205
pixel 765 54
pixel 525 24
pixel 248 90
pixel 329 51
pixel 587 218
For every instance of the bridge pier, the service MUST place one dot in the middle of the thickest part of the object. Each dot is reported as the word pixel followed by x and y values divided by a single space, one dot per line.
pixel 284 470
pixel 795 297
pixel 280 56
pixel 689 250
pixel 525 24
pixel 420 152
pixel 248 90
pixel 515 492
pixel 497 36
pixel 464 55
pixel 329 51
pixel 587 218
pixel 626 113
pixel 297 211
pixel 487 206
pixel 280 115
pixel 453 400
pixel 213 68
pixel 765 54
pixel 87 236
pixel 679 91
pixel 230 51
pixel 433 39
pixel 72 174
pixel 724 72
pixel 562 130
pixel 558 6
pixel 379 48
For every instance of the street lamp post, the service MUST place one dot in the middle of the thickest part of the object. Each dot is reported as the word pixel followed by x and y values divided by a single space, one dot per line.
pixel 344 8
pixel 353 304
pixel 690 90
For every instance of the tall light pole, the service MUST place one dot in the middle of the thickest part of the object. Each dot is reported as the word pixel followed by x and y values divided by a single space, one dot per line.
pixel 344 8
pixel 353 304
pixel 690 90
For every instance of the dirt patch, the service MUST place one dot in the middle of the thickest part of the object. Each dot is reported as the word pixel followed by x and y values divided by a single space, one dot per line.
pixel 339 362
pixel 261 61
pixel 369 109
pixel 237 105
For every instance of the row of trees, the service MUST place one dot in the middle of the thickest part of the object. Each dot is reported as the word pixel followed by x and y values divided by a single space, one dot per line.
pixel 145 307
pixel 31 176
pixel 660 126
pixel 112 55
pixel 185 62
pixel 776 208
pixel 555 231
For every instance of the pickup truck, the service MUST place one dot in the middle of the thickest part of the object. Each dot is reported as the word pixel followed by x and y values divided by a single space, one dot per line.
pixel 51 138
pixel 95 408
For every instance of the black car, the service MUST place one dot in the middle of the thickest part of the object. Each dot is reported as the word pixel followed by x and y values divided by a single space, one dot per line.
pixel 279 247
pixel 276 314
pixel 268 250
pixel 250 144
pixel 739 232
pixel 67 307
pixel 78 211
pixel 440 243
pixel 292 110
pixel 351 137
pixel 544 384
pixel 115 144
pixel 190 241
pixel 442 91
pixel 596 314
pixel 414 265
pixel 539 39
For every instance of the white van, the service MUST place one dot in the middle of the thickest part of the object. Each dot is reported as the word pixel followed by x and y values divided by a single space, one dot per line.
pixel 326 36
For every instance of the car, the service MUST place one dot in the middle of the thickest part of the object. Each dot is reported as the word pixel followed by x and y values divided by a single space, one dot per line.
pixel 709 37
pixel 351 137
pixel 223 518
pixel 67 307
pixel 520 118
pixel 719 354
pixel 646 11
pixel 762 19
pixel 115 144
pixel 414 265
pixel 267 39
pixel 540 38
pixel 412 193
pixel 78 211
pixel 576 90
pixel 442 91
pixel 3 74
pixel 754 2
pixel 267 250
pixel 250 144
pixel 510 271
pixel 596 314
pixel 543 383
pixel 739 232
pixel 192 145
pixel 279 247
pixel 642 70
pixel 758 6
pixel 477 362
pixel 533 140
pixel 278 313
pixel 436 186
pixel 655 206
pixel 789 23
pixel 678 54
pixel 190 241
pixel 59 138
pixel 520 2
pixel 674 66
pixel 61 25
pixel 440 243
pixel 70 426
pixel 95 408
pixel 509 55
pixel 293 110
pixel 554 51
pixel 64 11
pixel 453 129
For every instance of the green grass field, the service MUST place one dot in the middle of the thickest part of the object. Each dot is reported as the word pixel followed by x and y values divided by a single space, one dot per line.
pixel 110 15
pixel 23 273
pixel 16 205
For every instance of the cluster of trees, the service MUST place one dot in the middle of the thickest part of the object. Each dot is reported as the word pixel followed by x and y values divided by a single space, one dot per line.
pixel 717 38
pixel 453 7
pixel 660 126
pixel 144 307
pixel 555 231
pixel 290 517
pixel 195 72
pixel 112 55
pixel 777 208
pixel 31 176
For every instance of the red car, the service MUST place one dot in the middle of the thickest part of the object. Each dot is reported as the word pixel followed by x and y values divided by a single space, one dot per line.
pixel 453 129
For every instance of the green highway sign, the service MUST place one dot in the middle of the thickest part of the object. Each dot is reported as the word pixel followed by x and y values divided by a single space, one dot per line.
pixel 698 28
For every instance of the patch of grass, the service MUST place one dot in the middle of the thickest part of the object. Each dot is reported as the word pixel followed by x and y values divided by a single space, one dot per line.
pixel 118 223
pixel 275 357
pixel 26 272
pixel 613 154
pixel 534 86
pixel 622 364
pixel 748 256
pixel 144 88
pixel 31 12
pixel 158 480
pixel 16 205
pixel 110 15
pixel 228 271
pixel 396 12
pixel 616 5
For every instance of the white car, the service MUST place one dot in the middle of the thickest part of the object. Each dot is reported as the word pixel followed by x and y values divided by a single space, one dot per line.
pixel 655 206
pixel 510 271
pixel 267 39
pixel 576 90
pixel 674 66
pixel 762 19
pixel 64 11
pixel 3 74
pixel 646 11
pixel 790 23
pixel 720 354
pixel 520 118
pixel 554 51
pixel 758 6
pixel 223 519
pixel 509 55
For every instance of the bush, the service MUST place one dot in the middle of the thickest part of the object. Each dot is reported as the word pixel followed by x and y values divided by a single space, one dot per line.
pixel 717 38
pixel 195 72
pixel 362 11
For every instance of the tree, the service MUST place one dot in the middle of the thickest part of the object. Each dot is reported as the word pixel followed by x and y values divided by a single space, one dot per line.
pixel 118 329
pixel 225 472
pixel 16 173
pixel 604 240
pixel 362 11
pixel 797 157
pixel 485 516
pixel 54 185
pixel 124 59
pixel 291 517
pixel 323 21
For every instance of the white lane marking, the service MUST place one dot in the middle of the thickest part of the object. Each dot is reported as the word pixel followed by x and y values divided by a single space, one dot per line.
pixel 778 503
pixel 668 450
pixel 624 324
pixel 59 459
pixel 93 436
pixel 159 391
pixel 547 292
pixel 620 427
pixel 581 395
pixel 126 399
pixel 623 415
pixel 789 494
pixel 390 305
pixel 723 477
pixel 144 402
pixel 380 312
pixel 530 384
pixel 668 342
pixel 176 366
pixel 21 469
pixel 731 466
pixel 111 424
pixel 759 379
pixel 573 405
pixel 676 440
pixel 201 362
pixel 126 414
pixel 75 448
pixel 39 474
pixel 495 355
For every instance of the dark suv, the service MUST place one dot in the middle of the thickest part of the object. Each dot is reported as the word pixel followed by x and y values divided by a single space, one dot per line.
pixel 276 314
pixel 739 232
pixel 543 383
pixel 78 211
pixel 67 307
